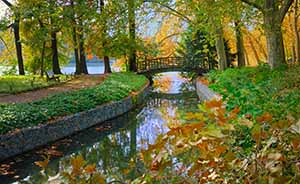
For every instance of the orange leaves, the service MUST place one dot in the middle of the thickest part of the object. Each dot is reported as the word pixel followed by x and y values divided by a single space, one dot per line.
pixel 266 117
pixel 214 104
pixel 90 56
pixel 204 81
pixel 43 164
pixel 90 169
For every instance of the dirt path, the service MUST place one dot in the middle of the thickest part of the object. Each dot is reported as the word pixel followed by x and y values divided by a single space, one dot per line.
pixel 79 82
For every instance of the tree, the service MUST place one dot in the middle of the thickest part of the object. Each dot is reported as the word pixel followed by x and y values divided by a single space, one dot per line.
pixel 107 68
pixel 18 44
pixel 240 45
pixel 54 17
pixel 273 12
pixel 78 15
pixel 132 35
pixel 296 31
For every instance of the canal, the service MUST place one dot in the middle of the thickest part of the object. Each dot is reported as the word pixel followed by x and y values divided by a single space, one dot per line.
pixel 114 145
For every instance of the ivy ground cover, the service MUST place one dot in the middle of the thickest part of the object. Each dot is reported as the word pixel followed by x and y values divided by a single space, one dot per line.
pixel 115 87
pixel 259 90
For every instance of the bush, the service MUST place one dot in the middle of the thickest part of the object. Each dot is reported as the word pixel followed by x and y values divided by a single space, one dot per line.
pixel 115 87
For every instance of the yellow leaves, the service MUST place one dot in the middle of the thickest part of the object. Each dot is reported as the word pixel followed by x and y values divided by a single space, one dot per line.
pixel 43 164
pixel 246 122
pixel 98 179
pixel 77 164
pixel 194 116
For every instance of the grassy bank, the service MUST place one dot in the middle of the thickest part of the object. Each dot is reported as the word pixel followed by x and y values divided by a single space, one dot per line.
pixel 115 87
pixel 259 90
pixel 11 84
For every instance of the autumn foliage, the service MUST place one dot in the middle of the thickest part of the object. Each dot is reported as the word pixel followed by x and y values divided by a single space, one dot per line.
pixel 222 148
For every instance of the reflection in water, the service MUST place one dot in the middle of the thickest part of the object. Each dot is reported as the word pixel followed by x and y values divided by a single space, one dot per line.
pixel 114 144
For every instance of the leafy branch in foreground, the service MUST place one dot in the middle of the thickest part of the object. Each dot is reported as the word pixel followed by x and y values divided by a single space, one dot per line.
pixel 224 148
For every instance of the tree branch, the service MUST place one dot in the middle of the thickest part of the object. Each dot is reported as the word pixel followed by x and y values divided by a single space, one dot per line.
pixel 171 9
pixel 284 9
pixel 253 3
pixel 7 3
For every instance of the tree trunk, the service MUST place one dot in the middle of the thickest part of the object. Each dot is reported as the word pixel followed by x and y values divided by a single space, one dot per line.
pixel 16 27
pixel 76 55
pixel 239 45
pixel 221 49
pixel 75 41
pixel 55 61
pixel 107 65
pixel 274 38
pixel 132 35
pixel 296 32
pixel 83 66
pixel 42 58
pixel 106 58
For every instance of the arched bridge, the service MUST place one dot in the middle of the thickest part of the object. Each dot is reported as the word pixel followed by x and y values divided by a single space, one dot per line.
pixel 167 64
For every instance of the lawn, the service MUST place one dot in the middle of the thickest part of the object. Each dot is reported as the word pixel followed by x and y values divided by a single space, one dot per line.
pixel 15 84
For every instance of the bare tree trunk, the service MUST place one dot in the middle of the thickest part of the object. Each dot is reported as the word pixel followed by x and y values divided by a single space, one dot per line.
pixel 42 58
pixel 16 27
pixel 132 35
pixel 55 60
pixel 221 49
pixel 76 55
pixel 107 65
pixel 239 45
pixel 82 58
pixel 296 32
pixel 274 41
pixel 293 53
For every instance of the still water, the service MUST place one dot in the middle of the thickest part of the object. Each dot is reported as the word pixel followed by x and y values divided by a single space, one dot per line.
pixel 95 67
pixel 113 146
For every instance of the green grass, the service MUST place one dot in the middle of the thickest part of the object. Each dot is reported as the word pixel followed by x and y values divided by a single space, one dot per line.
pixel 12 84
pixel 258 90
pixel 115 87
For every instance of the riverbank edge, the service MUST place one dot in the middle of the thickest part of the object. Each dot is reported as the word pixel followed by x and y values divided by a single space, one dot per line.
pixel 30 138
pixel 204 93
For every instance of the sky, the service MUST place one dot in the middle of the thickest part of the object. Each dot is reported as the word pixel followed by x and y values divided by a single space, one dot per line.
pixel 3 8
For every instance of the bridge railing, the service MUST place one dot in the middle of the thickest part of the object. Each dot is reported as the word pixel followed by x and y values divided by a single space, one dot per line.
pixel 147 65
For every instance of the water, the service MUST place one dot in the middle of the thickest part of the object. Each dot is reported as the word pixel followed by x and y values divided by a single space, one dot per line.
pixel 114 144
pixel 95 67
